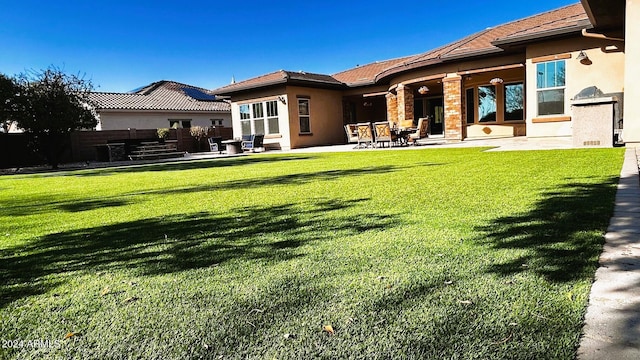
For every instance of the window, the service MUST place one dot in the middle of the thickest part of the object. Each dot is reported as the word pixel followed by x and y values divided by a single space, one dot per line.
pixel 486 103
pixel 177 123
pixel 304 115
pixel 272 117
pixel 550 82
pixel 258 118
pixel 216 122
pixel 514 102
pixel 495 103
pixel 245 119
pixel 253 118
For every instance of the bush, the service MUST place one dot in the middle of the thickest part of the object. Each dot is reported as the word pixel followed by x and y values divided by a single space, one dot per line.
pixel 163 133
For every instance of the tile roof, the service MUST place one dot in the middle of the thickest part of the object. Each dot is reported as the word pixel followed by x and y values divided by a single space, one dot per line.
pixel 563 20
pixel 161 95
pixel 280 77
pixel 366 74
pixel 566 20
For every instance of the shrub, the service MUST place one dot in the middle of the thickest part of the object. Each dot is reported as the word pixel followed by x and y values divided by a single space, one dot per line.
pixel 163 133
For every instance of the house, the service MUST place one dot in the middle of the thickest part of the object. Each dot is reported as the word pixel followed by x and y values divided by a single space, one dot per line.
pixel 162 104
pixel 517 79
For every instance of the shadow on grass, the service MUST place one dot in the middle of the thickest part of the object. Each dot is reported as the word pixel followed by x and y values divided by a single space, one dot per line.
pixel 190 165
pixel 289 179
pixel 562 236
pixel 182 242
pixel 45 203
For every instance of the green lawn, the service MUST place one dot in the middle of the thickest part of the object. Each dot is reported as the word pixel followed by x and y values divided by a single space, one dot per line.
pixel 418 254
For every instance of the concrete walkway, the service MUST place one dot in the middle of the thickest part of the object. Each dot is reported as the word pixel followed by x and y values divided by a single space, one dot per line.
pixel 612 322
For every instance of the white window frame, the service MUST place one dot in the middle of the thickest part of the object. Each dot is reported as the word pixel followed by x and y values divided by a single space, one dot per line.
pixel 540 89
pixel 251 116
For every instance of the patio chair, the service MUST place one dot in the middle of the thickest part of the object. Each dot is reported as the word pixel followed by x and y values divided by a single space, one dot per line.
pixel 384 133
pixel 252 142
pixel 365 136
pixel 422 132
pixel 215 144
pixel 352 133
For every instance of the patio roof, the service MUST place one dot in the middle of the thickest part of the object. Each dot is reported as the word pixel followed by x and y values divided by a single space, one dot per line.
pixel 605 14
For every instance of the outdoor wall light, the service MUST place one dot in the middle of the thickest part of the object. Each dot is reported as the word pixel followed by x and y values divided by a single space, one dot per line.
pixel 423 90
pixel 282 99
pixel 583 58
pixel 496 81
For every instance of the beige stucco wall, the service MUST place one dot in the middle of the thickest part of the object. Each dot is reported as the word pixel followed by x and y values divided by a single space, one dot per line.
pixel 325 115
pixel 461 68
pixel 122 120
pixel 631 132
pixel 606 71
pixel 277 141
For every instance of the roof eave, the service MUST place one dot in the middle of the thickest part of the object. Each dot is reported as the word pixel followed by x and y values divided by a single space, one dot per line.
pixel 243 88
pixel 605 14
pixel 295 82
pixel 472 54
pixel 397 69
pixel 511 41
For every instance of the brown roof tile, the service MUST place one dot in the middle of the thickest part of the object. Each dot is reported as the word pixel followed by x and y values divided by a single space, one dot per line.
pixel 565 18
pixel 366 74
pixel 161 95
pixel 280 77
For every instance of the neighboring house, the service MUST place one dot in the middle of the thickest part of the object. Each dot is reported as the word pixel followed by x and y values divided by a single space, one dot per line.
pixel 162 104
pixel 516 79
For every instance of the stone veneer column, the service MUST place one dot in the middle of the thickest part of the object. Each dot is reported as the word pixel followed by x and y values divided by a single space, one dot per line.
pixel 405 102
pixel 392 107
pixel 452 85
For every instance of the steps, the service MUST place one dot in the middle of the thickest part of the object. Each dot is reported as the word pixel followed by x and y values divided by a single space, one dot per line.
pixel 155 150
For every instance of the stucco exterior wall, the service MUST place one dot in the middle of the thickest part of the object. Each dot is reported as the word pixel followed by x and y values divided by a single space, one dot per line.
pixel 122 120
pixel 326 117
pixel 631 132
pixel 606 71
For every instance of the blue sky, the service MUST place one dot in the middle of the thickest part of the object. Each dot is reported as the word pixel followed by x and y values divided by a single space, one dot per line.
pixel 121 45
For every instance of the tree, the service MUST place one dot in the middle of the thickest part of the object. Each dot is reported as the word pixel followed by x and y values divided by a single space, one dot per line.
pixel 9 92
pixel 54 104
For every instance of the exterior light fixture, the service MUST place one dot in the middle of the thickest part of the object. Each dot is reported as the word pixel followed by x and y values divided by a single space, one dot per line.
pixel 583 58
pixel 496 81
pixel 282 99
pixel 423 90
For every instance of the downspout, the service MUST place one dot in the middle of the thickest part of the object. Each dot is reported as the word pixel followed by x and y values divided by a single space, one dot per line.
pixel 599 36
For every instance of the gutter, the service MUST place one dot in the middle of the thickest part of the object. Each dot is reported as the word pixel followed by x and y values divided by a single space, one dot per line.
pixel 587 34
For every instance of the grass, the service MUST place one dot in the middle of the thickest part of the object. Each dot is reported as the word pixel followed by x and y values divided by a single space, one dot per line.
pixel 427 254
